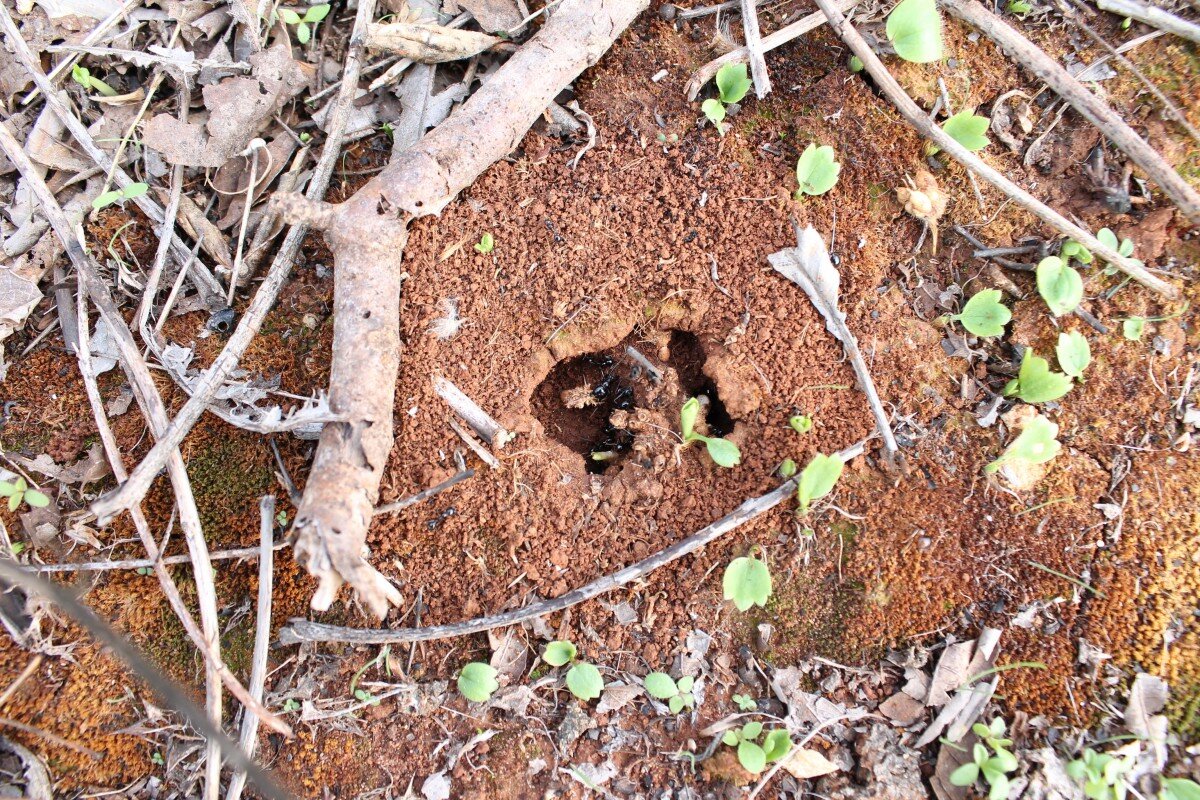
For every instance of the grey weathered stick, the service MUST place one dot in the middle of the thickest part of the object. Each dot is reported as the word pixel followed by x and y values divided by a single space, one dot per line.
pixel 133 490
pixel 1096 111
pixel 808 266
pixel 139 378
pixel 753 48
pixel 147 563
pixel 919 120
pixel 425 494
pixel 769 42
pixel 480 421
pixel 1153 16
pixel 262 638
pixel 301 630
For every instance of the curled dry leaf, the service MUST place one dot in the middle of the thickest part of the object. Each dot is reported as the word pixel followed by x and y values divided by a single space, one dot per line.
pixel 924 200
pixel 427 43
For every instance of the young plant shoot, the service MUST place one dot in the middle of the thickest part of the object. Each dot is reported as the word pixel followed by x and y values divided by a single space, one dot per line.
pixel 1036 383
pixel 984 314
pixel 747 582
pixel 915 30
pixel 477 681
pixel 558 653
pixel 1036 444
pixel 722 451
pixel 1059 285
pixel 732 85
pixel 18 491
pixel 968 129
pixel 307 24
pixel 752 755
pixel 84 78
pixel 678 694
pixel 817 479
pixel 1102 775
pixel 801 423
pixel 817 170
pixel 1074 353
pixel 119 195
pixel 486 244
pixel 583 679
pixel 1124 248
pixel 992 767
pixel 1073 249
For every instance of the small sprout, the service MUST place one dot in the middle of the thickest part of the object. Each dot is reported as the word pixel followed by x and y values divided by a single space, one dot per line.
pixel 281 518
pixel 290 705
pixel 1074 353
pixel 714 112
pixel 477 681
pixel 753 756
pixel 984 314
pixel 678 694
pixel 968 129
pixel 84 78
pixel 306 24
pixel 801 423
pixel 788 468
pixel 1124 248
pixel 1018 7
pixel 1133 328
pixel 1059 285
pixel 486 244
pixel 732 85
pixel 915 30
pixel 1102 775
pixel 157 758
pixel 363 696
pixel 18 491
pixel 1125 23
pixel 745 702
pixel 584 681
pixel 747 582
pixel 1179 789
pixel 817 170
pixel 856 64
pixel 559 653
pixel 119 195
pixel 818 479
pixel 722 451
pixel 143 571
pixel 305 137
pixel 1035 383
pixel 1073 249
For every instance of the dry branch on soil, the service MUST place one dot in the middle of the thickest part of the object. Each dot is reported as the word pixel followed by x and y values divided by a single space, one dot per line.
pixel 1153 16
pixel 920 120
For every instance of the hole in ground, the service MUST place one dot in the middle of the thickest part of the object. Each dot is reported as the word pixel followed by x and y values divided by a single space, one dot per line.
pixel 687 357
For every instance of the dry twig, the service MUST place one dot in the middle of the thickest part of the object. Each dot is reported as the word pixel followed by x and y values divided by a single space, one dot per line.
pixel 1153 16
pixel 754 49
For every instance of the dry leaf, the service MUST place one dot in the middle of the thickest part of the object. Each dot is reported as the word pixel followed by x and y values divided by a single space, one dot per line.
pixel 510 655
pixel 494 15
pixel 427 43
pixel 803 763
pixel 18 297
pixel 616 696
pixel 924 200
pixel 951 671
pixel 423 109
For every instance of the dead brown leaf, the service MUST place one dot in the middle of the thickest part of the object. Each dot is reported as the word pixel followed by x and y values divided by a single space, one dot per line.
pixel 427 43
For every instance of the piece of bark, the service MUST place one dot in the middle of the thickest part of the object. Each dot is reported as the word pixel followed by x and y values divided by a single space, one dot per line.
pixel 427 43
pixel 367 234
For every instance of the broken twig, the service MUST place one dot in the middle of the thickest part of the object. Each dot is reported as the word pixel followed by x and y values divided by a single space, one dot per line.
pixel 754 49
pixel 1153 16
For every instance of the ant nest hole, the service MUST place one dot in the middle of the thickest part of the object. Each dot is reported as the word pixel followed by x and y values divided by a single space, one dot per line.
pixel 623 403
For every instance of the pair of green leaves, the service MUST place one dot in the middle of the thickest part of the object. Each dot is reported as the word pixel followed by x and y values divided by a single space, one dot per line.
pixel 801 423
pixel 304 25
pixel 119 195
pixel 817 170
pixel 19 491
pixel 752 755
pixel 992 767
pixel 1036 444
pixel 1060 285
pixel 678 694
pixel 722 451
pixel 1102 775
pixel 984 314
pixel 1036 383
pixel 968 129
pixel 732 85
pixel 747 582
pixel 487 244
pixel 84 78
pixel 583 679
pixel 915 29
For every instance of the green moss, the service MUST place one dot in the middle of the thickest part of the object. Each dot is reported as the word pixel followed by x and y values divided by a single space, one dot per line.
pixel 1183 710
pixel 228 478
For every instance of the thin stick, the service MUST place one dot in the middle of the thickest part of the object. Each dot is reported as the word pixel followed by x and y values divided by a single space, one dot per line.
pixel 1096 111
pixel 301 630
pixel 753 48
pixel 411 500
pixel 52 738
pixel 262 637
pixel 480 421
pixel 147 563
pixel 174 199
pixel 30 668
pixel 917 118
pixel 1152 16
pixel 93 36
pixel 741 56
pixel 133 490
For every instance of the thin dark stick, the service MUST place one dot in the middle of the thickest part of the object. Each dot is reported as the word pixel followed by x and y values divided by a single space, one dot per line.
pixel 165 689
pixel 425 494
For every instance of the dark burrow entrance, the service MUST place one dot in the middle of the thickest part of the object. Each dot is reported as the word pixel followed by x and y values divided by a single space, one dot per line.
pixel 577 399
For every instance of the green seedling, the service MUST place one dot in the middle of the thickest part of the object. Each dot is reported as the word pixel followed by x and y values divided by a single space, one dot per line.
pixel 801 423
pixel 722 451
pixel 732 85
pixel 1102 775
pixel 1060 285
pixel 84 78
pixel 915 30
pixel 486 244
pixel 744 702
pixel 307 24
pixel 968 129
pixel 788 468
pixel 281 519
pixel 1018 7
pixel 362 695
pixel 678 694
pixel 119 195
pixel 477 681
pixel 817 170
pixel 992 767
pixel 157 758
pixel 1124 247
pixel 818 479
pixel 1036 444
pixel 1126 23
pixel 1074 353
pixel 558 653
pixel 752 755
pixel 856 64
pixel 1073 249
pixel 1036 383
pixel 19 491
pixel 1134 328
pixel 583 679
pixel 1179 789
pixel 747 582
pixel 984 314
pixel 19 547
pixel 290 705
